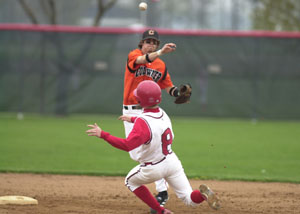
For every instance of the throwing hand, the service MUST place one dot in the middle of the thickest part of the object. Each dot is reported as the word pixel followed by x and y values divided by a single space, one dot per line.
pixel 94 131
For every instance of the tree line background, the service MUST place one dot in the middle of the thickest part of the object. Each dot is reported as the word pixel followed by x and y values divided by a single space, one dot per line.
pixel 278 15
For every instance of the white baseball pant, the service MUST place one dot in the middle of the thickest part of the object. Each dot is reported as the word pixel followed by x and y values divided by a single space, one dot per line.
pixel 170 169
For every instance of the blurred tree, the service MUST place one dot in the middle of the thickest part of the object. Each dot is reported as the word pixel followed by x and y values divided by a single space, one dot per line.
pixel 51 11
pixel 235 10
pixel 279 15
pixel 191 14
pixel 65 66
pixel 202 16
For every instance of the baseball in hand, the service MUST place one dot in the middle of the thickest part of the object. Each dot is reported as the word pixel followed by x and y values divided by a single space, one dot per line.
pixel 143 6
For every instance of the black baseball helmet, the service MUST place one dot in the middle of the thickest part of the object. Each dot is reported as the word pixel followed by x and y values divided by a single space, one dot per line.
pixel 149 34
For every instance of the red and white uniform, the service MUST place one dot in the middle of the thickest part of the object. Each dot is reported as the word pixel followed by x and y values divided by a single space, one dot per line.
pixel 151 138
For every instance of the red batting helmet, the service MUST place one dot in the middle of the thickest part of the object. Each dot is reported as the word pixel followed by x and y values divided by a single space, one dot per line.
pixel 148 93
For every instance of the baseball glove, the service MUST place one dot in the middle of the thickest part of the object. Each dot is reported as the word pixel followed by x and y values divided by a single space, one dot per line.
pixel 185 93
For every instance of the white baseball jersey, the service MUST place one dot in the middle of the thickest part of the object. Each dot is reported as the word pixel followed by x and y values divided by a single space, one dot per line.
pixel 159 146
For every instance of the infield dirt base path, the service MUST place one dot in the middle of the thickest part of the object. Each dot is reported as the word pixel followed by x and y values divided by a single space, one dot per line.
pixel 60 194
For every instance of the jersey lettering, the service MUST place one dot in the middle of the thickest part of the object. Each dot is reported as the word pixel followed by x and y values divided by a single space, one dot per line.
pixel 167 140
pixel 144 71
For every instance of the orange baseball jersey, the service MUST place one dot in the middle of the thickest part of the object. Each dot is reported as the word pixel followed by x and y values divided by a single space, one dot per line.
pixel 134 74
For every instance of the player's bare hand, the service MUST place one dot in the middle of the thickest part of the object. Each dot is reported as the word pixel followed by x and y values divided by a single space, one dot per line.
pixel 125 118
pixel 169 47
pixel 94 131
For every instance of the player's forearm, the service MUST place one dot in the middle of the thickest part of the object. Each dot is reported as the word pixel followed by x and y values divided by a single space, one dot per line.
pixel 116 142
pixel 148 58
pixel 133 141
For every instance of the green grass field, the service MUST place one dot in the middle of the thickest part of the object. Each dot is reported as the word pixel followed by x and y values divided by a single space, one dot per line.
pixel 223 149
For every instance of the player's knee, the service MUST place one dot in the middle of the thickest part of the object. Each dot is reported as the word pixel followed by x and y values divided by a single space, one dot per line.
pixel 130 185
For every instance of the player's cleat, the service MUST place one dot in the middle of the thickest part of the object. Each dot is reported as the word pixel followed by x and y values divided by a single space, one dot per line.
pixel 211 198
pixel 162 198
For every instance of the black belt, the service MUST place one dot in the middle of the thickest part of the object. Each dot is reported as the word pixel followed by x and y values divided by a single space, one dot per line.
pixel 153 163
pixel 133 107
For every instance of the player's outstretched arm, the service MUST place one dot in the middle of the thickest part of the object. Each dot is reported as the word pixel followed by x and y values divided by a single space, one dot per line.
pixel 167 48
pixel 94 131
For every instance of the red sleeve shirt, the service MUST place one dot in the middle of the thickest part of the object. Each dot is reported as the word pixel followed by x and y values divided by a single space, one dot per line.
pixel 139 135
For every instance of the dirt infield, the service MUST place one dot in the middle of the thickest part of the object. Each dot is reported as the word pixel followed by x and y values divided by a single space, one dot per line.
pixel 58 194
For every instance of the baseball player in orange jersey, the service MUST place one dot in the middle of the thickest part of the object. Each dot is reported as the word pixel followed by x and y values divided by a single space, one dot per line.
pixel 142 64
pixel 152 137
